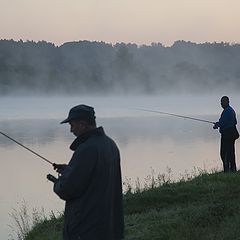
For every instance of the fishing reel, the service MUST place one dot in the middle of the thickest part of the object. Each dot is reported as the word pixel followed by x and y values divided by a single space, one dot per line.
pixel 51 178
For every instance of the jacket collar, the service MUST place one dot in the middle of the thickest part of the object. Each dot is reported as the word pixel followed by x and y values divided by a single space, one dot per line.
pixel 81 139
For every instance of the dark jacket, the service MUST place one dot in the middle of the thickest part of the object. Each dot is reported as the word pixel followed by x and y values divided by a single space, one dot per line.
pixel 227 124
pixel 91 185
pixel 227 120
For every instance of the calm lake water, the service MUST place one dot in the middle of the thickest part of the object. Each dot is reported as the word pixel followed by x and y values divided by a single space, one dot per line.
pixel 147 142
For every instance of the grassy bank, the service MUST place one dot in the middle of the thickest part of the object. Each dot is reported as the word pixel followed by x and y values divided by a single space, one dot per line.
pixel 203 208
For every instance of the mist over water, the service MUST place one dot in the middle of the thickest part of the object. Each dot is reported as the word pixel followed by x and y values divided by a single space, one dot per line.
pixel 147 141
pixel 57 107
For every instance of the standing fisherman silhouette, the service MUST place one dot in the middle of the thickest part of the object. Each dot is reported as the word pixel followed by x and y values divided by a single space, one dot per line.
pixel 91 182
pixel 227 127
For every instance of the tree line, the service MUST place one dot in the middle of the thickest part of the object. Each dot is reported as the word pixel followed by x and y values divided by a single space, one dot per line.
pixel 97 67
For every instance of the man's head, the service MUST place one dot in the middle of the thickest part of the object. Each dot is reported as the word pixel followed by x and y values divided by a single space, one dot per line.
pixel 81 119
pixel 224 102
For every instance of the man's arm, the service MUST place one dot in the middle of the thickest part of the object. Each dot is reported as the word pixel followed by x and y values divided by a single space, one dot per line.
pixel 75 178
pixel 224 119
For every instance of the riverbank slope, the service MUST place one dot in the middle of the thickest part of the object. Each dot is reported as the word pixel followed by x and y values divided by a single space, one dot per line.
pixel 206 207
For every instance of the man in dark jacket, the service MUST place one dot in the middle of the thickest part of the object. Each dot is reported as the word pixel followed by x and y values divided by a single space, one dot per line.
pixel 227 127
pixel 91 182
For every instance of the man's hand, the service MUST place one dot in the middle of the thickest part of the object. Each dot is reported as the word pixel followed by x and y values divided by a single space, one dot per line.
pixel 59 167
pixel 215 126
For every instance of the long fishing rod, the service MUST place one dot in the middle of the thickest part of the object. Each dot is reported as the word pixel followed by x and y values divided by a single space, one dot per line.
pixel 30 150
pixel 175 115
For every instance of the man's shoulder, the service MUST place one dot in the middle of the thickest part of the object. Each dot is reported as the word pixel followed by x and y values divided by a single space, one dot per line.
pixel 231 110
pixel 228 109
pixel 101 139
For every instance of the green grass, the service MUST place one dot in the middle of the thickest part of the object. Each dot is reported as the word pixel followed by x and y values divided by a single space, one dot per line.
pixel 206 207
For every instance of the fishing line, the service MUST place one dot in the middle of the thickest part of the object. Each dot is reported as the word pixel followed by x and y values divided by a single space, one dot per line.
pixel 30 150
pixel 175 115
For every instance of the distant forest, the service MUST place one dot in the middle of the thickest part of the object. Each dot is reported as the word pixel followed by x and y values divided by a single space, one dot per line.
pixel 96 67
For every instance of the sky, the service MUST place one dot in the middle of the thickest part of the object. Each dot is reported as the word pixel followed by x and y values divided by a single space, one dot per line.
pixel 129 21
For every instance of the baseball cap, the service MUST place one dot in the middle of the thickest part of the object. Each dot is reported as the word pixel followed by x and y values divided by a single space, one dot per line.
pixel 81 112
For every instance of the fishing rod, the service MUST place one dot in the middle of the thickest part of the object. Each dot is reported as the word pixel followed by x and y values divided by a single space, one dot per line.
pixel 175 115
pixel 30 150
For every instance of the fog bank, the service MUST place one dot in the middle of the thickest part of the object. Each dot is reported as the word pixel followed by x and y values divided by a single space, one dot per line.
pixel 86 67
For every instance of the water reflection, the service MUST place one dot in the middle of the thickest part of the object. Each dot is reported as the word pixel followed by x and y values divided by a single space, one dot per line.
pixel 144 142
pixel 125 129
pixel 33 132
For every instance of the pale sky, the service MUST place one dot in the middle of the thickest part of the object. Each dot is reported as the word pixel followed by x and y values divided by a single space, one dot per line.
pixel 129 21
